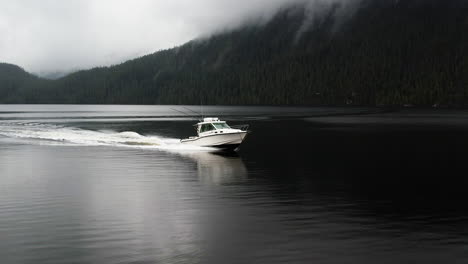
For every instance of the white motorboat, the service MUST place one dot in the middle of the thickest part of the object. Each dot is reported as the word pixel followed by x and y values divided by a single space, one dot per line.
pixel 215 133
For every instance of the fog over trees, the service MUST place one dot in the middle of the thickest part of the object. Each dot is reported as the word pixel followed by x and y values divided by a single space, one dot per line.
pixel 378 52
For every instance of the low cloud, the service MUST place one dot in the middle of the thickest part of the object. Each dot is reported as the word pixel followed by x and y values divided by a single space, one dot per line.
pixel 60 36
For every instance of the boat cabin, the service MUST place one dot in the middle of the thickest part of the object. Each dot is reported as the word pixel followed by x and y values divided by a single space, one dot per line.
pixel 211 124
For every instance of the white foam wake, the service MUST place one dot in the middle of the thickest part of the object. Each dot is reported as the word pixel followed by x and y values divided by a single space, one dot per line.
pixel 76 136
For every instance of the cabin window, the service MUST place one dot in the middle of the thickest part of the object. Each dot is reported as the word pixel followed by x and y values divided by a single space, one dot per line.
pixel 220 125
pixel 206 128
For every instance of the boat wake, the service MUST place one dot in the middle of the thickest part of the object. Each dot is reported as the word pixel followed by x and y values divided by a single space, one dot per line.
pixel 63 135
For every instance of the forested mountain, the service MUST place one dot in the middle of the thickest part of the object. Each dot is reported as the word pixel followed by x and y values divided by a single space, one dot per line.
pixel 381 52
pixel 16 85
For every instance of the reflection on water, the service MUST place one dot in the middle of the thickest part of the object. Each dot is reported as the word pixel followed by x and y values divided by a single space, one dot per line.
pixel 219 167
pixel 316 192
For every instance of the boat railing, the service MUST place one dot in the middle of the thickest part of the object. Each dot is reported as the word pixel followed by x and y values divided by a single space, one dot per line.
pixel 241 127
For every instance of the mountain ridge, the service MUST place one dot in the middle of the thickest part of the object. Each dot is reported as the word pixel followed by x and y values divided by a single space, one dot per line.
pixel 385 53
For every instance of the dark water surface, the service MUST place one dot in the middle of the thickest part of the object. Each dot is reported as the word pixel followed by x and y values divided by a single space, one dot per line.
pixel 111 184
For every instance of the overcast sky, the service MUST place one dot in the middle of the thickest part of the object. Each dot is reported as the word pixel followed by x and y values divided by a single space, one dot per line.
pixel 64 35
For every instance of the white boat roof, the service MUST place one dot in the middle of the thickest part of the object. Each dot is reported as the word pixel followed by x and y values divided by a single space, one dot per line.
pixel 210 119
pixel 207 120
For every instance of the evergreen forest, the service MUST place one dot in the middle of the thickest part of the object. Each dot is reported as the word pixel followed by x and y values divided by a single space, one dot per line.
pixel 379 53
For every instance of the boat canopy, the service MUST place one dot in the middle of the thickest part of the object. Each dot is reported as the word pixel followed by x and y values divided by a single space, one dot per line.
pixel 204 127
pixel 210 119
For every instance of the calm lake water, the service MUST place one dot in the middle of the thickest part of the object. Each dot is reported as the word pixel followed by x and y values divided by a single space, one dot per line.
pixel 111 184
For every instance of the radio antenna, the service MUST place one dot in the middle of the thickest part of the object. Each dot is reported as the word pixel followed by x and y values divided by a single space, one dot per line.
pixel 201 107
pixel 192 111
pixel 182 112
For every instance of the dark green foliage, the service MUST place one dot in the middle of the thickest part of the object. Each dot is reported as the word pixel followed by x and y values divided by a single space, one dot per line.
pixel 387 52
pixel 18 86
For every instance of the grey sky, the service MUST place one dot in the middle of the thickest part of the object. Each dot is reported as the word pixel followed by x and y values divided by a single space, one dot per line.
pixel 64 35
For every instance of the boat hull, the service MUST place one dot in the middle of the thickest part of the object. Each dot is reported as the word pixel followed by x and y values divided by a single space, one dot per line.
pixel 225 141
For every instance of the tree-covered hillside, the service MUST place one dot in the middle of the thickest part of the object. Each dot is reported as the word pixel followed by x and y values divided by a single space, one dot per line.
pixel 381 53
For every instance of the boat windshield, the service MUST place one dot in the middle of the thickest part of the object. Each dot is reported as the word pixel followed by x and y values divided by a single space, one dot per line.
pixel 221 125
pixel 206 128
